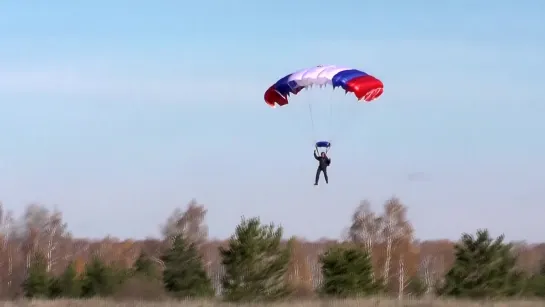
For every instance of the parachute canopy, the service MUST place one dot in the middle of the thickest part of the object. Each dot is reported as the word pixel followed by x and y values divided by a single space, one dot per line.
pixel 363 85
pixel 322 144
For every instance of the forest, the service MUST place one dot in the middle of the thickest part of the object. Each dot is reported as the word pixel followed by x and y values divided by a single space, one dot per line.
pixel 377 255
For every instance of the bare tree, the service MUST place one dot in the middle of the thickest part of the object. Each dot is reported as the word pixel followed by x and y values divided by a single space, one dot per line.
pixel 365 228
pixel 528 258
pixel 401 278
pixel 7 229
pixel 299 272
pixel 193 222
pixel 395 228
pixel 55 232
pixel 189 223
pixel 6 250
pixel 436 257
pixel 105 249
pixel 32 223
pixel 170 228
pixel 428 272
pixel 43 230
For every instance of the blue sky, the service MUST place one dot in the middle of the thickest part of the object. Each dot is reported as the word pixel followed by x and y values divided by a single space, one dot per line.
pixel 118 112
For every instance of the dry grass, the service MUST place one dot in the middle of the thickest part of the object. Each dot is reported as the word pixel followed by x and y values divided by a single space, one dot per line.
pixel 317 303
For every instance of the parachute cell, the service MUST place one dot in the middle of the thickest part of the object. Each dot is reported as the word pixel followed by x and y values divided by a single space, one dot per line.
pixel 363 85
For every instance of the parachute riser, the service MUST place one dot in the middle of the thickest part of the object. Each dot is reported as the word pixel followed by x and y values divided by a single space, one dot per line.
pixel 318 150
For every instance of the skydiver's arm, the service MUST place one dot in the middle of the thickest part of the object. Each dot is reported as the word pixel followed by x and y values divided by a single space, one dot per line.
pixel 328 161
pixel 316 156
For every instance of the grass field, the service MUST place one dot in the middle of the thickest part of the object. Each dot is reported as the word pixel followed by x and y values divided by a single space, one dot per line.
pixel 318 303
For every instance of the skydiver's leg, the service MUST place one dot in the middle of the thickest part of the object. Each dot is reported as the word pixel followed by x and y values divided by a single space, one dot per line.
pixel 325 175
pixel 317 175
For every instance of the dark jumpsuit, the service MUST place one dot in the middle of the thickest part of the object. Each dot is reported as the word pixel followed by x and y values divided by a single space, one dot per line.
pixel 322 167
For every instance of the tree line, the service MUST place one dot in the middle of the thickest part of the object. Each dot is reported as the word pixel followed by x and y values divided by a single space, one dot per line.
pixel 377 255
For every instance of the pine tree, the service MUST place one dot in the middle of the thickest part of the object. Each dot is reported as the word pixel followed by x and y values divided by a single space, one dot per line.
pixel 143 282
pixel 255 263
pixel 69 282
pixel 347 272
pixel 36 284
pixel 184 275
pixel 99 279
pixel 483 268
pixel 145 267
pixel 54 288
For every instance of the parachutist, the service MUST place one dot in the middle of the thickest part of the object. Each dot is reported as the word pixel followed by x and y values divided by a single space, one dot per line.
pixel 323 162
pixel 363 85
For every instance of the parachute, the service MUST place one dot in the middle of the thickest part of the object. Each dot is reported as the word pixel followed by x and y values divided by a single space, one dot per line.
pixel 323 144
pixel 364 86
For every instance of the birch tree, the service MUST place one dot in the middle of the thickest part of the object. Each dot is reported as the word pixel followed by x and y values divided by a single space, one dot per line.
pixel 7 251
pixel 55 234
pixel 401 278
pixel 43 230
pixel 428 272
pixel 189 223
pixel 365 228
pixel 395 228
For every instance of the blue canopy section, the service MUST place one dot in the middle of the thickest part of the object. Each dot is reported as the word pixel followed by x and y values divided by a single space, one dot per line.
pixel 322 144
